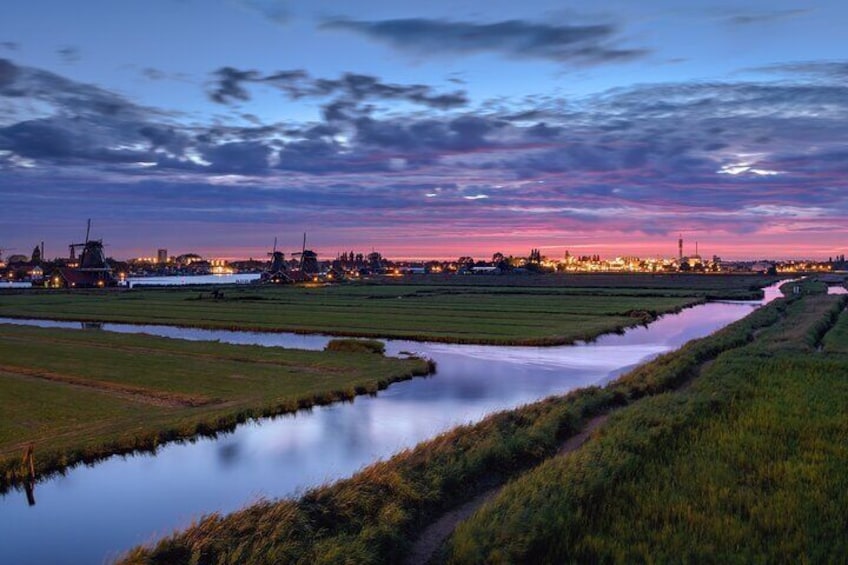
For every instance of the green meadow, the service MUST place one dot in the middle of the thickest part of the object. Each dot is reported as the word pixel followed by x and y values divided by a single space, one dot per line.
pixel 77 396
pixel 457 312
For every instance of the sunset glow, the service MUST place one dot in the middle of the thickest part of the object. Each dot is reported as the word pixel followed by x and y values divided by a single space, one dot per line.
pixel 425 131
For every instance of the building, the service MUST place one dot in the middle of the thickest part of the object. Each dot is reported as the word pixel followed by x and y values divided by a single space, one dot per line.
pixel 162 256
pixel 93 272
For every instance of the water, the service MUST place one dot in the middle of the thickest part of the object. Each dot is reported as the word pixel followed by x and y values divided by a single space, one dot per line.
pixel 239 278
pixel 91 514
pixel 14 284
pixel 837 290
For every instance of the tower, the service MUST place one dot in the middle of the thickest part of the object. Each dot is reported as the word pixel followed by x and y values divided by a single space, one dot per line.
pixel 680 248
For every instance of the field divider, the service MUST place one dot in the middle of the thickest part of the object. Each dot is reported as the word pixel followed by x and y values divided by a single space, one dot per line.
pixel 128 392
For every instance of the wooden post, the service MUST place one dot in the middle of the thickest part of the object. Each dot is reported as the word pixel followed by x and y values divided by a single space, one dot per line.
pixel 28 460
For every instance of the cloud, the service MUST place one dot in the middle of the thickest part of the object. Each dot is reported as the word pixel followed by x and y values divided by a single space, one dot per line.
pixel 644 159
pixel 247 157
pixel 822 70
pixel 10 45
pixel 765 16
pixel 69 54
pixel 8 73
pixel 230 85
pixel 578 44
pixel 275 10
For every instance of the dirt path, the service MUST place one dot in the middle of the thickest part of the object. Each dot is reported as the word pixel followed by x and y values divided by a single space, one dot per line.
pixel 436 533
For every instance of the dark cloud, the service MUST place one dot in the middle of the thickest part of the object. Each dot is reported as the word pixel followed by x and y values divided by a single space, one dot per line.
pixel 8 74
pixel 765 16
pixel 419 138
pixel 826 70
pixel 65 141
pixel 247 158
pixel 69 54
pixel 543 131
pixel 10 45
pixel 230 85
pixel 581 44
pixel 88 125
pixel 73 98
pixel 734 156
pixel 154 74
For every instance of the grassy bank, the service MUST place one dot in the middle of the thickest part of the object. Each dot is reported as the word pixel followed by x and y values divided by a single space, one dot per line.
pixel 375 516
pixel 745 465
pixel 503 315
pixel 82 395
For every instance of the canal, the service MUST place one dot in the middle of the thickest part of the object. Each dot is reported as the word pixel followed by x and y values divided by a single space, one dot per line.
pixel 92 514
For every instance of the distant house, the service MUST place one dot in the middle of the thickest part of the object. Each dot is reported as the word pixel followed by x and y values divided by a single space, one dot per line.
pixel 65 277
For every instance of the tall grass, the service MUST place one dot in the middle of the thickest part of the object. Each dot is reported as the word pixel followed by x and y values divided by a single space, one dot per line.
pixel 746 465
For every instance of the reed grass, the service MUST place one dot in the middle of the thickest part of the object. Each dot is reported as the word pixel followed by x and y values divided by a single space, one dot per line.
pixel 746 465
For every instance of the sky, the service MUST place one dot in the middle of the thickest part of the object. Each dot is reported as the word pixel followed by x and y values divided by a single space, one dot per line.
pixel 425 129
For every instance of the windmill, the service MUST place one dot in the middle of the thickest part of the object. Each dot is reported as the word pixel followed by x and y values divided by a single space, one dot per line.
pixel 276 272
pixel 93 270
pixel 308 259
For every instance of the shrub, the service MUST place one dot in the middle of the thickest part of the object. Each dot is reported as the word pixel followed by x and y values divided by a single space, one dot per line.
pixel 356 346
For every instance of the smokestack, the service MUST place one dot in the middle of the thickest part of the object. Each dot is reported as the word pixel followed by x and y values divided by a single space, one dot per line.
pixel 43 258
pixel 680 248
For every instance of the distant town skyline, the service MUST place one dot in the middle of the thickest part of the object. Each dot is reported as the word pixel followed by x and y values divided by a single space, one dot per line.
pixel 425 131
pixel 690 249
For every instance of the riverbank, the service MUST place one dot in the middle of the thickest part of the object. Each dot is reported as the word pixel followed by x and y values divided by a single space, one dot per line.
pixel 377 514
pixel 79 396
pixel 475 314
pixel 746 465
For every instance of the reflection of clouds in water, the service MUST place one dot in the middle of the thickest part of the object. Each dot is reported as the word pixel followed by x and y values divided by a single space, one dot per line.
pixel 575 356
pixel 228 453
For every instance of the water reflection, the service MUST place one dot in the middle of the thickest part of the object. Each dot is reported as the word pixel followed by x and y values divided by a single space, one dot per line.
pixel 29 488
pixel 95 512
pixel 240 278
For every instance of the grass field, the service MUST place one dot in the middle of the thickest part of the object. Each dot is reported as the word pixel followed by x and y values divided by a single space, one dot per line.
pixel 458 313
pixel 723 285
pixel 81 395
pixel 375 516
pixel 746 465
